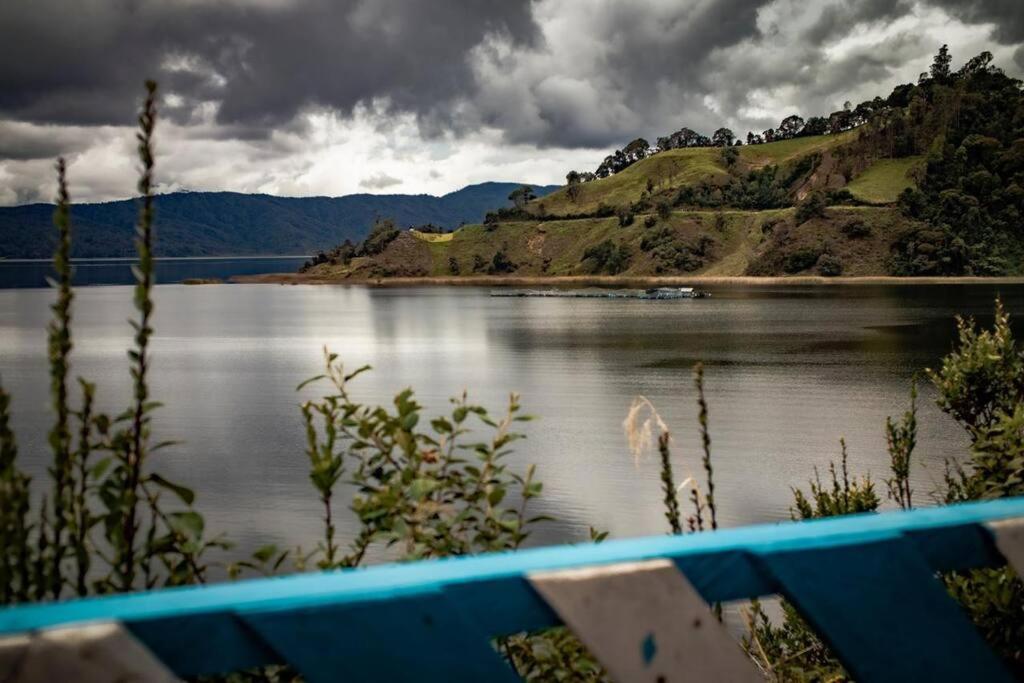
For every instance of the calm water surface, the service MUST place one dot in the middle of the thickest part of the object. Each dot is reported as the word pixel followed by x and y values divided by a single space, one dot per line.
pixel 790 370
pixel 21 273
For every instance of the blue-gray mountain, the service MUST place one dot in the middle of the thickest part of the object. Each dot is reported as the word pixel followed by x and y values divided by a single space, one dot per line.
pixel 229 223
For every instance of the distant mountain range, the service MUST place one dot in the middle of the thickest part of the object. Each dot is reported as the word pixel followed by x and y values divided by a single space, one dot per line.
pixel 229 223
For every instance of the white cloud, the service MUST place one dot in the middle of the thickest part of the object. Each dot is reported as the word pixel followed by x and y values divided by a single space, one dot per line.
pixel 598 73
pixel 322 154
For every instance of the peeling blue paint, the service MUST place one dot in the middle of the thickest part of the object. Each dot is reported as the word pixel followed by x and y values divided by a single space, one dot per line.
pixel 649 648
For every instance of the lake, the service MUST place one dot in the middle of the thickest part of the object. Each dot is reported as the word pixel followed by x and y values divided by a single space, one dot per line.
pixel 20 273
pixel 790 370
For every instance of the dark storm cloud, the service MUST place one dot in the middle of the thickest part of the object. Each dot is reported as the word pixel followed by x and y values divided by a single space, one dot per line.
pixel 1006 15
pixel 456 64
pixel 262 61
pixel 258 88
pixel 836 20
pixel 22 142
pixel 651 67
pixel 629 57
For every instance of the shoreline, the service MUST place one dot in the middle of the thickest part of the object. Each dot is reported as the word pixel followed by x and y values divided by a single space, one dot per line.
pixel 618 281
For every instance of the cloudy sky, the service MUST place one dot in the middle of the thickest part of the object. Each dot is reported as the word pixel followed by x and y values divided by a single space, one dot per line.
pixel 331 97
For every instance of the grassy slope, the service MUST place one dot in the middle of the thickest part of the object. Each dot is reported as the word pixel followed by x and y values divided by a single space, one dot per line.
pixel 883 181
pixel 786 150
pixel 676 168
pixel 744 242
pixel 673 168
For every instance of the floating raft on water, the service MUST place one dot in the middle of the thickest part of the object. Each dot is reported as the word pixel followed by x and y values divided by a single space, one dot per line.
pixel 660 293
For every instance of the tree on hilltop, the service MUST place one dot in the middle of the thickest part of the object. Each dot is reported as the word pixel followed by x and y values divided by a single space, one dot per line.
pixel 521 195
pixel 940 65
pixel 790 127
pixel 572 185
pixel 722 137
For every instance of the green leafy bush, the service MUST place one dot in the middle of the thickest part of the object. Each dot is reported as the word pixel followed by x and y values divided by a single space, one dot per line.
pixel 501 263
pixel 664 210
pixel 813 206
pixel 608 257
pixel 855 229
pixel 625 216
pixel 801 259
pixel 830 265
pixel 672 252
pixel 381 235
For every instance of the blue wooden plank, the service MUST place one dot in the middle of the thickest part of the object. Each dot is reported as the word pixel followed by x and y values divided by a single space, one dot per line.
pixel 197 644
pixel 930 525
pixel 412 638
pixel 718 564
pixel 957 547
pixel 881 609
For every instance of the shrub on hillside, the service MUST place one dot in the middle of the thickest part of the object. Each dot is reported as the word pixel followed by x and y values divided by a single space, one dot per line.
pixel 501 263
pixel 671 252
pixel 625 216
pixel 664 209
pixel 856 229
pixel 759 189
pixel 801 259
pixel 730 155
pixel 381 235
pixel 830 265
pixel 842 196
pixel 813 206
pixel 608 257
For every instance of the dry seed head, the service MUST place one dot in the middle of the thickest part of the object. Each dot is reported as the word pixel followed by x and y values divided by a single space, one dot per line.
pixel 643 426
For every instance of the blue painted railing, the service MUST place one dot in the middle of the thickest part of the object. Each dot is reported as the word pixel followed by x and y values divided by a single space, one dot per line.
pixel 867 584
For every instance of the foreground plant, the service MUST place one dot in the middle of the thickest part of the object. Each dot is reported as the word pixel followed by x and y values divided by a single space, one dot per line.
pixel 646 430
pixel 981 386
pixel 99 478
pixel 425 492
pixel 789 650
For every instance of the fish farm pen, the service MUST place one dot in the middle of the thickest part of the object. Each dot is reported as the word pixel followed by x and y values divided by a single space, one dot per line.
pixel 656 293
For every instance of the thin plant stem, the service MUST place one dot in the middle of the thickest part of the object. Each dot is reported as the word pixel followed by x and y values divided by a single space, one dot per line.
pixel 668 485
pixel 705 438
pixel 139 355
pixel 82 515
pixel 59 352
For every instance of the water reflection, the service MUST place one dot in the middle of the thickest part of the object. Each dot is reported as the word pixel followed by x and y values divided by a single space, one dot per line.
pixel 26 273
pixel 789 371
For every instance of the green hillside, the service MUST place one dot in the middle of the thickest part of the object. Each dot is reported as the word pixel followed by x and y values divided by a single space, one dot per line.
pixel 927 181
pixel 882 182
pixel 676 168
pixel 672 169
pixel 721 243
pixel 557 235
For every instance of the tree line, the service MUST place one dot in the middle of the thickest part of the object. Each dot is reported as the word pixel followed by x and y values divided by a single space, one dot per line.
pixel 792 126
